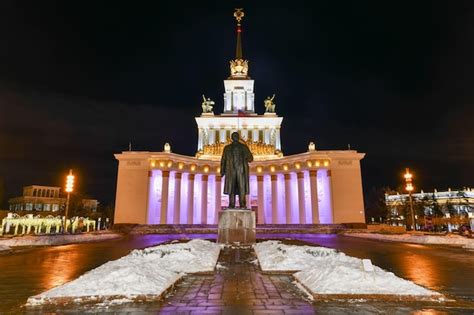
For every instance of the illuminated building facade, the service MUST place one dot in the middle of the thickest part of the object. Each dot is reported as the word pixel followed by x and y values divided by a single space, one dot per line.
pixel 460 201
pixel 45 198
pixel 314 187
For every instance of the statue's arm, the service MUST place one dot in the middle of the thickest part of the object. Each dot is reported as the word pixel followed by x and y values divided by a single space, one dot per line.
pixel 249 155
pixel 223 161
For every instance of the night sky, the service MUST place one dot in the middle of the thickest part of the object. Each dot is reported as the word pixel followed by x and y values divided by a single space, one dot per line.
pixel 78 80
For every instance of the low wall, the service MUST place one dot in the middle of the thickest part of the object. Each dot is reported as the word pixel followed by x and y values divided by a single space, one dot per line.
pixel 212 228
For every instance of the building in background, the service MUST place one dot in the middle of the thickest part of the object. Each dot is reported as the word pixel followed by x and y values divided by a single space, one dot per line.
pixel 452 202
pixel 45 199
pixel 312 187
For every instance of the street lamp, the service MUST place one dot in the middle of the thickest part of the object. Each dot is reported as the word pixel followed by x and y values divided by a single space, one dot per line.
pixel 69 189
pixel 409 187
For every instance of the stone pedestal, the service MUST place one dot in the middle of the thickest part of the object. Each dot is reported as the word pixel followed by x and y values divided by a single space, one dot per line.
pixel 236 227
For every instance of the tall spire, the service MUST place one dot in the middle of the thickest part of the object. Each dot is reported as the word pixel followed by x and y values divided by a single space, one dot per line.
pixel 239 14
pixel 239 66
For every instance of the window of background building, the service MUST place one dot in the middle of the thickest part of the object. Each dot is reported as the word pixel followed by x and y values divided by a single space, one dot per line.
pixel 47 207
pixel 29 206
pixel 55 207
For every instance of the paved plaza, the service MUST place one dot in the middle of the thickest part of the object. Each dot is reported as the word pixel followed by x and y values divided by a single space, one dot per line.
pixel 237 287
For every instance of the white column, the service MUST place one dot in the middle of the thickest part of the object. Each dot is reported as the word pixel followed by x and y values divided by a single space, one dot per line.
pixel 288 198
pixel 274 199
pixel 190 198
pixel 266 138
pixel 204 179
pixel 245 134
pixel 313 181
pixel 200 139
pixel 277 139
pixel 301 202
pixel 221 135
pixel 255 135
pixel 261 200
pixel 218 198
pixel 164 196
pixel 177 198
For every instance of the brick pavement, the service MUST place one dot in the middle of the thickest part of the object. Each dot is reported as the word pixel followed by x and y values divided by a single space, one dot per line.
pixel 238 287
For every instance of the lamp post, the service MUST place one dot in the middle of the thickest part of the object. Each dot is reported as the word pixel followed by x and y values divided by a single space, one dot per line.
pixel 409 187
pixel 69 189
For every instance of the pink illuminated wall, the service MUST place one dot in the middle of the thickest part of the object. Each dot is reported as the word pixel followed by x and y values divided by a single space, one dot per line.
pixel 267 195
pixel 154 197
pixel 324 197
pixel 294 199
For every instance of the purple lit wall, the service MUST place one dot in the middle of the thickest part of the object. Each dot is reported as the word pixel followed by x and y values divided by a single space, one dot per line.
pixel 197 199
pixel 307 199
pixel 154 197
pixel 324 197
pixel 184 200
pixel 171 195
pixel 281 199
pixel 267 194
pixel 294 199
pixel 253 197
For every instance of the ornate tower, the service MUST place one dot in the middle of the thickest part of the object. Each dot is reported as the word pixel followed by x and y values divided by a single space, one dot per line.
pixel 260 132
pixel 239 96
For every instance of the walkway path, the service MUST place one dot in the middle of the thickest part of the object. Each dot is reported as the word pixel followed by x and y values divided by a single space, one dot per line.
pixel 237 287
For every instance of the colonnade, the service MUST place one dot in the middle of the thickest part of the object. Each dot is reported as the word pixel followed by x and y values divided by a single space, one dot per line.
pixel 292 200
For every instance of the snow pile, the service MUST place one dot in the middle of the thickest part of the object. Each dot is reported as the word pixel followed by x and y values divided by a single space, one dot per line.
pixel 449 239
pixel 4 248
pixel 326 271
pixel 143 273
pixel 59 239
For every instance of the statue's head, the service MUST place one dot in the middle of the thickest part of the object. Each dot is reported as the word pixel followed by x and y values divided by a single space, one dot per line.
pixel 235 136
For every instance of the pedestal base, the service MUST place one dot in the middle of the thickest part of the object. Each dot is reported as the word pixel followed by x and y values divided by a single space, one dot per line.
pixel 236 227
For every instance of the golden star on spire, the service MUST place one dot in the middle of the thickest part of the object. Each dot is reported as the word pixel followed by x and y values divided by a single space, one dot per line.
pixel 239 15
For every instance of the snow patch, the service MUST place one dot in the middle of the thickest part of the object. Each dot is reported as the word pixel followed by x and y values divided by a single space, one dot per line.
pixel 449 239
pixel 4 248
pixel 148 272
pixel 327 271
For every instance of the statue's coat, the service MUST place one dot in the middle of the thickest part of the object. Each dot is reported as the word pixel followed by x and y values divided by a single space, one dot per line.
pixel 235 166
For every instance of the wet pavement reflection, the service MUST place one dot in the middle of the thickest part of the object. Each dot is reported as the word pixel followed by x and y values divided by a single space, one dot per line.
pixel 30 271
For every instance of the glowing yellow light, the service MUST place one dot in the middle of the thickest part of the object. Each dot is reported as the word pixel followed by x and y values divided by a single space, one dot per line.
pixel 152 163
pixel 218 170
pixel 272 168
pixel 170 163
pixel 298 166
pixel 206 169
pixel 69 182
pixel 285 167
pixel 326 163
pixel 162 163
pixel 309 163
pixel 180 165
pixel 259 169
pixel 193 167
pixel 317 163
pixel 408 180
